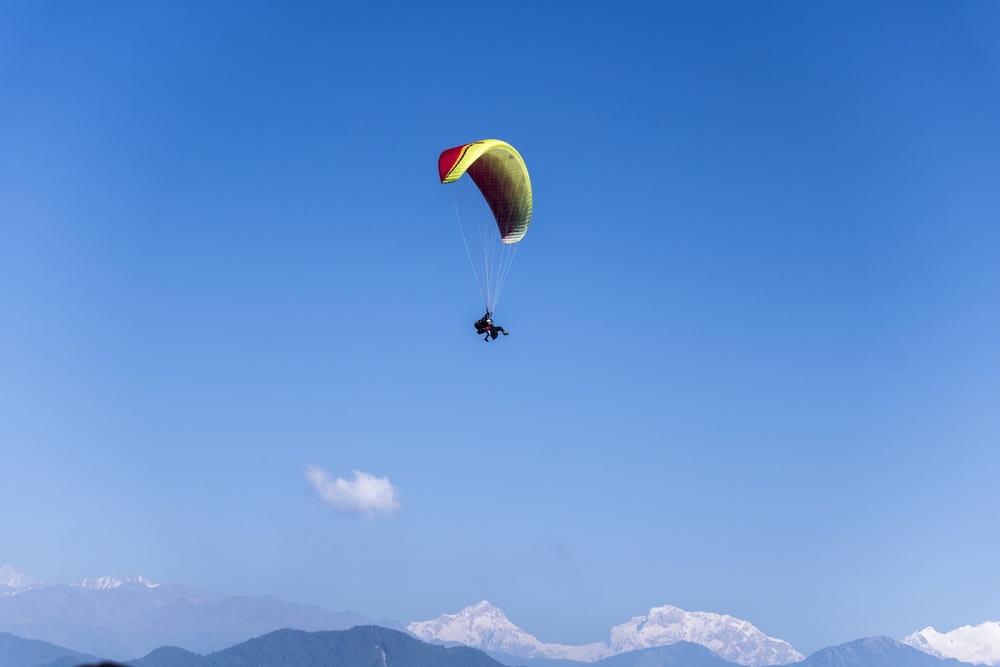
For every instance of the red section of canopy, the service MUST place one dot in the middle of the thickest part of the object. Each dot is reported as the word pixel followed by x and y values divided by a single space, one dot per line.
pixel 449 159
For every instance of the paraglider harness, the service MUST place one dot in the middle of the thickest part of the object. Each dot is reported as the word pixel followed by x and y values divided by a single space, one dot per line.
pixel 484 325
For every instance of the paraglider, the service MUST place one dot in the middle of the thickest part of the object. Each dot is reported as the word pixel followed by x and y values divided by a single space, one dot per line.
pixel 484 325
pixel 491 235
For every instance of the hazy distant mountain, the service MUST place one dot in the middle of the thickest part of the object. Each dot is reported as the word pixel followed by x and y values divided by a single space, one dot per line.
pixel 20 652
pixel 978 644
pixel 107 583
pixel 363 646
pixel 486 627
pixel 125 618
pixel 12 580
pixel 875 652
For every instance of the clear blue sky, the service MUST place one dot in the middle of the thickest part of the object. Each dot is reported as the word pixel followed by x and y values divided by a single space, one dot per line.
pixel 753 366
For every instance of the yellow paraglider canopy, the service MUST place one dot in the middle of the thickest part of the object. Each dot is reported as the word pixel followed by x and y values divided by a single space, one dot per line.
pixel 502 178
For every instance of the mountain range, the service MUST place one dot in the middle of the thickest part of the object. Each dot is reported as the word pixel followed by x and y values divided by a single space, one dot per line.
pixel 361 646
pixel 374 646
pixel 123 618
pixel 737 641
pixel 969 643
pixel 484 626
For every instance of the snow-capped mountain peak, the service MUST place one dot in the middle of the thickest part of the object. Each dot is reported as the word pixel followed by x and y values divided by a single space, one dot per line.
pixel 13 581
pixel 107 583
pixel 486 627
pixel 471 622
pixel 731 638
pixel 977 644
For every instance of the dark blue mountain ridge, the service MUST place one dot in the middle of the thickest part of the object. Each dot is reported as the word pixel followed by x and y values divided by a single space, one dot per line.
pixel 375 646
pixel 17 651
pixel 169 656
pixel 868 652
pixel 515 661
pixel 679 654
pixel 875 652
pixel 361 646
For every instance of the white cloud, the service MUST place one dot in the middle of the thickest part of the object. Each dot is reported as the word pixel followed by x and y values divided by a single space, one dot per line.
pixel 365 494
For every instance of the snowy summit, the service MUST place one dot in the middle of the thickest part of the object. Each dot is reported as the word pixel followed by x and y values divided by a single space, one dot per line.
pixel 486 627
pixel 13 581
pixel 731 638
pixel 107 583
pixel 977 644
pixel 483 626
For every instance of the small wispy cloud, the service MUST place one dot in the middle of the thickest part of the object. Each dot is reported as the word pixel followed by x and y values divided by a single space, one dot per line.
pixel 366 494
